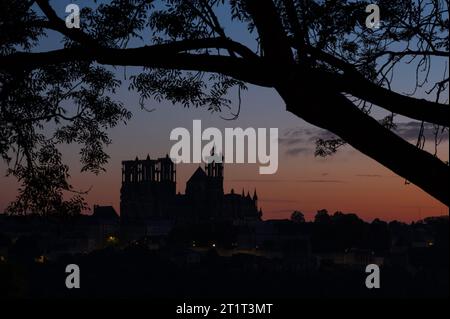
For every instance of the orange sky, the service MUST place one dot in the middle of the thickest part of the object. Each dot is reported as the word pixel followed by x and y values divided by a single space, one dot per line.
pixel 347 181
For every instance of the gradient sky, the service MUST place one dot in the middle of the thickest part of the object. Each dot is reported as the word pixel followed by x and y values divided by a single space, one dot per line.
pixel 347 181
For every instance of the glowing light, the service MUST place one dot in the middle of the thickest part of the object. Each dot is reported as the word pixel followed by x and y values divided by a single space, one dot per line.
pixel 40 260
pixel 112 239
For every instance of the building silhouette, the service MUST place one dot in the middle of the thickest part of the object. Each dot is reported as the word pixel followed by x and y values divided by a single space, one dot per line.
pixel 149 198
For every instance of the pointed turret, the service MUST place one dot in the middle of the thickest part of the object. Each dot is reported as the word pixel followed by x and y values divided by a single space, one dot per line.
pixel 255 197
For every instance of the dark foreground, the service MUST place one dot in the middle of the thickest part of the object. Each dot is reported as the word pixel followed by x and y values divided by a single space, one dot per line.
pixel 139 272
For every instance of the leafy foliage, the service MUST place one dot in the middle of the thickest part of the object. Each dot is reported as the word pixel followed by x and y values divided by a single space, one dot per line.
pixel 44 181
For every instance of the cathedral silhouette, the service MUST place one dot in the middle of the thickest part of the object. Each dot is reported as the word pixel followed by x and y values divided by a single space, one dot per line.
pixel 148 197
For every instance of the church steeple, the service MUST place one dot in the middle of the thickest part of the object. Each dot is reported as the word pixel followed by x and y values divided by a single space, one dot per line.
pixel 214 168
pixel 255 199
pixel 214 172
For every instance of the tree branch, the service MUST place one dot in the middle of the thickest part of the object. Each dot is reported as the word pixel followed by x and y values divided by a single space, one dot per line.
pixel 57 24
pixel 251 69
pixel 435 53
pixel 354 83
pixel 166 56
pixel 332 112
pixel 274 41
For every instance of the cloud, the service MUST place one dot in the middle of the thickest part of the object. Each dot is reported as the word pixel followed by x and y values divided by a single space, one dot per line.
pixel 279 200
pixel 287 141
pixel 369 175
pixel 307 134
pixel 297 151
pixel 281 211
pixel 301 140
pixel 410 131
pixel 407 130
pixel 332 181
pixel 298 141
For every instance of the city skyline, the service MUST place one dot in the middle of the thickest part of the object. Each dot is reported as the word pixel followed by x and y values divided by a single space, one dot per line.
pixel 346 181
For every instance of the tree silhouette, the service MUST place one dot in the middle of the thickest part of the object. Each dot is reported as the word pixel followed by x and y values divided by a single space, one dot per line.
pixel 319 56
pixel 322 217
pixel 298 217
